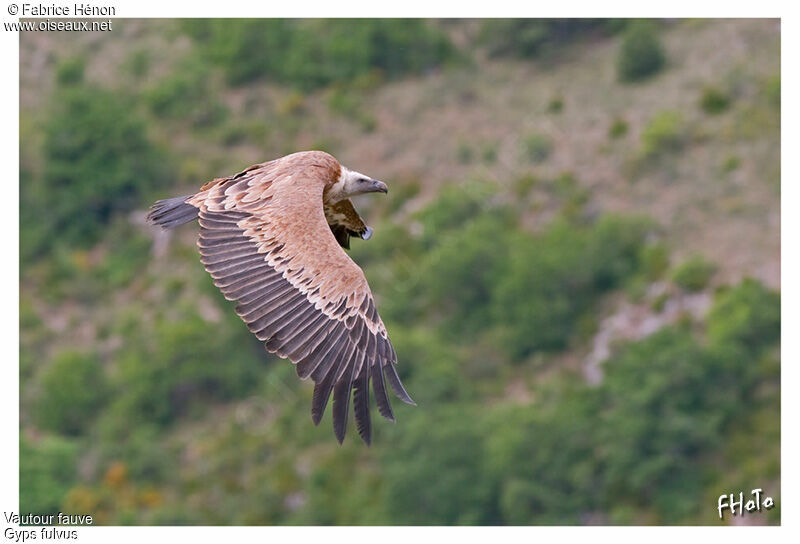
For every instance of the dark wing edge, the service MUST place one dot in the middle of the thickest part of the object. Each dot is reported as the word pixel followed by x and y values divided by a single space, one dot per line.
pixel 339 352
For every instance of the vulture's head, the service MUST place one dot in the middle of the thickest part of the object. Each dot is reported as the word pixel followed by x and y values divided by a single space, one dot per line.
pixel 354 183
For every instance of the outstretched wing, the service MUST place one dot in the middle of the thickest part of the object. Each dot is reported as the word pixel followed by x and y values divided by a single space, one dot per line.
pixel 265 240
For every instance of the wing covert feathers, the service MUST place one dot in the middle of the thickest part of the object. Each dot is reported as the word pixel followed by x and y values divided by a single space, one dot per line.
pixel 271 250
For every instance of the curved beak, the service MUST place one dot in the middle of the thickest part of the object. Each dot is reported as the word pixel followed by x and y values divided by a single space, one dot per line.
pixel 378 187
pixel 367 234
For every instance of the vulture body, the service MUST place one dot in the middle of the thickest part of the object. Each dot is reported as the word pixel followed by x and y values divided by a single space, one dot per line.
pixel 271 237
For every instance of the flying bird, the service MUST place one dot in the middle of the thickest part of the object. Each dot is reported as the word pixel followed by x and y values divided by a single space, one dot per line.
pixel 272 238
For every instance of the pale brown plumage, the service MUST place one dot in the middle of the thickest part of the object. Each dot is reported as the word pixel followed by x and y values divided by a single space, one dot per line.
pixel 270 237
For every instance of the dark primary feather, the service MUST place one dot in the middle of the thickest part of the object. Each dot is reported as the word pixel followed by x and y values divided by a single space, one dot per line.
pixel 341 400
pixel 397 385
pixel 361 402
pixel 384 406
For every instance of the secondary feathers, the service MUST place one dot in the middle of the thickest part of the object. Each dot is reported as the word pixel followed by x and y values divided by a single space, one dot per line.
pixel 271 237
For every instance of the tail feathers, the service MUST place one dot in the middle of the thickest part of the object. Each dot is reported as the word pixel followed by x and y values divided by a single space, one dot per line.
pixel 172 212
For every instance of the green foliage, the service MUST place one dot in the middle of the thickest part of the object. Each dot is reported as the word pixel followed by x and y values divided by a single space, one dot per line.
pixel 694 273
pixel 314 53
pixel 46 473
pixel 435 371
pixel 552 279
pixel 618 128
pixel 660 302
pixel 461 271
pixel 532 38
pixel 402 192
pixel 453 208
pixel 342 100
pixel 121 264
pixel 73 388
pixel 556 105
pixel 772 90
pixel 646 437
pixel 523 185
pixel 641 55
pixel 544 458
pixel 537 147
pixel 70 71
pixel 665 402
pixel 665 133
pixel 479 274
pixel 98 162
pixel 138 63
pixel 489 152
pixel 654 259
pixel 439 478
pixel 464 153
pixel 347 99
pixel 177 370
pixel 731 163
pixel 748 315
pixel 186 94
pixel 713 101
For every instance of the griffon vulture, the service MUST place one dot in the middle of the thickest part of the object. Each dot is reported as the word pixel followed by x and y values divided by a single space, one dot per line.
pixel 271 237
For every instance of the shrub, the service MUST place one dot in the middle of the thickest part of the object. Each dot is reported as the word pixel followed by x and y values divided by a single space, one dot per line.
pixel 459 273
pixel 73 387
pixel 772 90
pixel 46 472
pixel 556 105
pixel 128 252
pixel 531 38
pixel 523 185
pixel 434 370
pixel 489 152
pixel 654 259
pixel 464 153
pixel 314 53
pixel 178 367
pixel 97 162
pixel 731 163
pixel 439 478
pixel 186 94
pixel 618 128
pixel 641 54
pixel 694 273
pixel 454 207
pixel 713 101
pixel 537 147
pixel 748 315
pixel 665 133
pixel 666 402
pixel 553 278
pixel 138 63
pixel 343 100
pixel 70 71
pixel 543 459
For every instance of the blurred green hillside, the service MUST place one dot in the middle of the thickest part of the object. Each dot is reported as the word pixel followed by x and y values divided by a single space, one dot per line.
pixel 578 264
